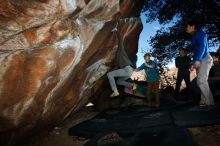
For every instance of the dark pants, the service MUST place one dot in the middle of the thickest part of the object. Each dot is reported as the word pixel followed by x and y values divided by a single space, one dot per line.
pixel 185 75
pixel 154 86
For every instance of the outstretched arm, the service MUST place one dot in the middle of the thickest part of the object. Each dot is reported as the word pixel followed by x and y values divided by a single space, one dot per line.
pixel 150 65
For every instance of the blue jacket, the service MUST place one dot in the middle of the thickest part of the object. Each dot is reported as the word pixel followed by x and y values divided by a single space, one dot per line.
pixel 200 45
pixel 152 73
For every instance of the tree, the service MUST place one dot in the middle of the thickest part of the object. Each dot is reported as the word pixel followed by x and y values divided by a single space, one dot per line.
pixel 218 50
pixel 167 41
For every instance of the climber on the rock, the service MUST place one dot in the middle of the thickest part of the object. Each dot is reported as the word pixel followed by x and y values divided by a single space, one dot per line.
pixel 125 67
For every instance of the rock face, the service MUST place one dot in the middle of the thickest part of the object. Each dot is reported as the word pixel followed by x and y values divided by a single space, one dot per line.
pixel 49 49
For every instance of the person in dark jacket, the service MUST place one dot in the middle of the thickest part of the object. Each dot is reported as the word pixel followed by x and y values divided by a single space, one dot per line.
pixel 183 63
pixel 125 67
pixel 202 61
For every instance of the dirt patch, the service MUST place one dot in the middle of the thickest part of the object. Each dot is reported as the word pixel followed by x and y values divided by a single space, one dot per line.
pixel 59 135
pixel 206 136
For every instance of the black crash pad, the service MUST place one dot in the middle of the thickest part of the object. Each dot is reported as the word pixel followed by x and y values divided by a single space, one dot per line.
pixel 124 121
pixel 193 115
pixel 166 102
pixel 160 136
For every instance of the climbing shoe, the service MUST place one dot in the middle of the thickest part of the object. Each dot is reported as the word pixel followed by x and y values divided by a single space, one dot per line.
pixel 114 94
pixel 133 86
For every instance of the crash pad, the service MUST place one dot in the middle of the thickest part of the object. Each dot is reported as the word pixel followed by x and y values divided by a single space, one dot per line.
pixel 194 116
pixel 162 136
pixel 124 121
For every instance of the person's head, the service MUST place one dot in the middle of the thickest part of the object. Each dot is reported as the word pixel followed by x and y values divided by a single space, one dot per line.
pixel 193 26
pixel 182 51
pixel 147 57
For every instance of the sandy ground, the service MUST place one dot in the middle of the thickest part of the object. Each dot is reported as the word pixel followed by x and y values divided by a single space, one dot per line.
pixel 206 136
pixel 59 136
pixel 202 136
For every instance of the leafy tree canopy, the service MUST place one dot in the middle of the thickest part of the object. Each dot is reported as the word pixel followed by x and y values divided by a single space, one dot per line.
pixel 167 40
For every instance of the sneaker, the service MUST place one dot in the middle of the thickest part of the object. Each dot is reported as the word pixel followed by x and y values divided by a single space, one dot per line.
pixel 114 94
pixel 202 104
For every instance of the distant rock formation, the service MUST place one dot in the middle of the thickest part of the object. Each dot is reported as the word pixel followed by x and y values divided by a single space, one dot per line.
pixel 49 49
pixel 168 78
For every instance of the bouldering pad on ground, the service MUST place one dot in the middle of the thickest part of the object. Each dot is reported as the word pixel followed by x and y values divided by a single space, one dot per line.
pixel 162 136
pixel 125 121
pixel 129 121
pixel 193 115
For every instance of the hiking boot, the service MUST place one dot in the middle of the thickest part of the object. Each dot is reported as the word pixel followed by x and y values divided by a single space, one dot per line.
pixel 202 104
pixel 114 94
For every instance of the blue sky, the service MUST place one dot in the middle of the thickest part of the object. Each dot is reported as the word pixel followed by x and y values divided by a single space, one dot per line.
pixel 149 29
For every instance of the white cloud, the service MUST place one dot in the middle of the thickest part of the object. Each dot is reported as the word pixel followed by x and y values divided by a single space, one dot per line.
pixel 156 27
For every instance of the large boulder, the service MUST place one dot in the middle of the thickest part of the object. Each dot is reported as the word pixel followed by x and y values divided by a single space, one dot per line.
pixel 49 49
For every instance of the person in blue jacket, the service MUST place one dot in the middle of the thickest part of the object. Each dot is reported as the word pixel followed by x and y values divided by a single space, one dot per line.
pixel 202 61
pixel 153 77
